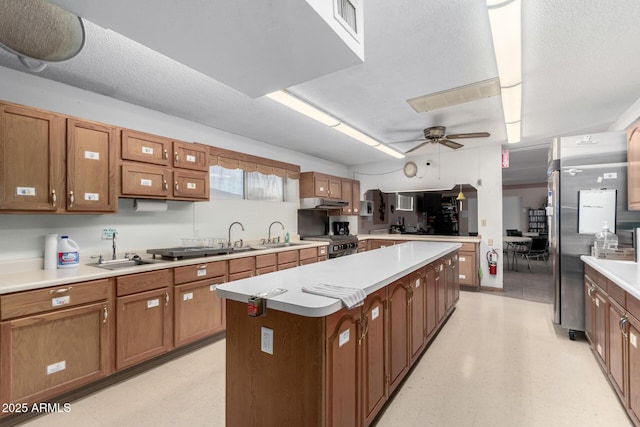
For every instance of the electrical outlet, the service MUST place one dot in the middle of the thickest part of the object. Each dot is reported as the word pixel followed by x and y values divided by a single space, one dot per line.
pixel 266 340
pixel 107 233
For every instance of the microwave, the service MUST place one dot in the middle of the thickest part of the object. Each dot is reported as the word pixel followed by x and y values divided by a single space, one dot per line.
pixel 366 207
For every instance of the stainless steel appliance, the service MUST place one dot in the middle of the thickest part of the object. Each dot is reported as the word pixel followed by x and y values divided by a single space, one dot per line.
pixel 584 162
pixel 339 245
pixel 187 252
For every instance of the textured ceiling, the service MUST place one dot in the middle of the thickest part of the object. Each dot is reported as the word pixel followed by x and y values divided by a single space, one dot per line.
pixel 580 73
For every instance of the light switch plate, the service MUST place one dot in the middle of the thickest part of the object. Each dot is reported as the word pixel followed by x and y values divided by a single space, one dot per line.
pixel 266 340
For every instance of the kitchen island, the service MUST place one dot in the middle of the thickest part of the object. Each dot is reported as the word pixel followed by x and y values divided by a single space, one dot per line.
pixel 309 361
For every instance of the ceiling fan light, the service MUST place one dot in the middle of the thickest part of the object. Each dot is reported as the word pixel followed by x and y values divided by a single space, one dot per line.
pixel 296 104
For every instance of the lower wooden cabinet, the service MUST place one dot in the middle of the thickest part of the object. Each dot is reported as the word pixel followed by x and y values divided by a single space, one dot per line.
pixel 198 311
pixel 417 306
pixel 373 358
pixel 441 290
pixel 634 369
pixel 431 272
pixel 399 323
pixel 468 264
pixel 616 369
pixel 73 339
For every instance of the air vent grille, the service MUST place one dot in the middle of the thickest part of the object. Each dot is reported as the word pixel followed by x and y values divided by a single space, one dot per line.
pixel 347 11
pixel 458 95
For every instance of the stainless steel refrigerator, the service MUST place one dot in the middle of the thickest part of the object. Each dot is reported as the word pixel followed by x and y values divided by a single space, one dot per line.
pixel 591 163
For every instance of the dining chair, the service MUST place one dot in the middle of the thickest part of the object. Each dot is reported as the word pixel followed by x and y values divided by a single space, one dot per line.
pixel 522 250
pixel 540 248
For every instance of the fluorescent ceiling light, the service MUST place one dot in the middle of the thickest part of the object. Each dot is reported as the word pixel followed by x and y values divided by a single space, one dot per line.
pixel 512 103
pixel 505 19
pixel 513 132
pixel 302 107
pixel 356 134
pixel 390 151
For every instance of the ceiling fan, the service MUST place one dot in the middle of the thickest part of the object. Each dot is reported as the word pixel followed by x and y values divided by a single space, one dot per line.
pixel 437 134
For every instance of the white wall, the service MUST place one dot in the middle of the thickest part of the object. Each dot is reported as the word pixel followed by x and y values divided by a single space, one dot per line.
pixel 479 167
pixel 529 198
pixel 23 235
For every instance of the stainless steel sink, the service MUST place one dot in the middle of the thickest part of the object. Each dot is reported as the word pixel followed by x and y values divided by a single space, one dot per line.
pixel 274 245
pixel 118 264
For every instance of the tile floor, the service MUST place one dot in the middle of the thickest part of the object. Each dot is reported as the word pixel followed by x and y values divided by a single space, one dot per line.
pixel 497 362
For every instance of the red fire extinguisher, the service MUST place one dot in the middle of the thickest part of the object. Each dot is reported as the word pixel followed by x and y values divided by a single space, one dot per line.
pixel 492 260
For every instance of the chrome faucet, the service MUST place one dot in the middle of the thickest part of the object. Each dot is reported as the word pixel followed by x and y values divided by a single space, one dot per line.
pixel 113 245
pixel 232 224
pixel 274 222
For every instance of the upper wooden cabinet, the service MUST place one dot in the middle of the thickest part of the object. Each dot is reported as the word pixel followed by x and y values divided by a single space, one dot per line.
pixel 144 147
pixel 314 184
pixel 351 194
pixel 633 167
pixel 190 156
pixel 47 168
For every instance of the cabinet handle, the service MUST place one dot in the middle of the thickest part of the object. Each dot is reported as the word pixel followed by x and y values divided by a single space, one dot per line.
pixel 165 185
pixel 590 295
pixel 71 198
pixel 623 322
pixel 177 158
pixel 202 267
pixel 410 291
pixel 166 297
pixel 105 314
pixel 364 324
pixel 54 198
pixel 60 291
pixel 165 155
pixel 177 186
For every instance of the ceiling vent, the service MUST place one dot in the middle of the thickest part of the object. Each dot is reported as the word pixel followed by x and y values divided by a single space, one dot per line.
pixel 347 14
pixel 458 95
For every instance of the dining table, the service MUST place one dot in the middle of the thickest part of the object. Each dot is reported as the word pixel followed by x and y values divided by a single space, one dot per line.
pixel 511 244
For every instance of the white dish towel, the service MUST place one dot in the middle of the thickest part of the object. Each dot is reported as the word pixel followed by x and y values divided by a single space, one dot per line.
pixel 351 297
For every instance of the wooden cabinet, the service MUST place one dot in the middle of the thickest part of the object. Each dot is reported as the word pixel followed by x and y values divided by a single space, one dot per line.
pixel 287 259
pixel 362 245
pixel 72 329
pixel 379 243
pixel 374 359
pixel 314 184
pixel 157 167
pixel 596 317
pixel 242 268
pixel 399 322
pixel 346 190
pixel 441 291
pixel 266 263
pixel 47 167
pixel 431 272
pixel 417 307
pixel 198 311
pixel 633 167
pixel 355 197
pixel 634 368
pixel 144 316
pixel 308 256
pixel 616 369
pixel 91 167
pixel 468 265
pixel 322 253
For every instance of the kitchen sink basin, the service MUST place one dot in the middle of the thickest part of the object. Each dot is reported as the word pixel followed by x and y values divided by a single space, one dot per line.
pixel 274 245
pixel 118 264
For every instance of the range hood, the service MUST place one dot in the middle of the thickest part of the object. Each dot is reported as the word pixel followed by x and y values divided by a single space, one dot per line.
pixel 320 203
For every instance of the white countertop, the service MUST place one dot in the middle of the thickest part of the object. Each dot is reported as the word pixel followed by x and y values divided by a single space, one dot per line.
pixel 625 274
pixel 421 237
pixel 368 271
pixel 29 275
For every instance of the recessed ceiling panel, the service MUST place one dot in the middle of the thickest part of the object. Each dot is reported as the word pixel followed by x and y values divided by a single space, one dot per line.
pixel 458 95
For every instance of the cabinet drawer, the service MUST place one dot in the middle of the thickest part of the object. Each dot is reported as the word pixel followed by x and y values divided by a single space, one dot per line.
pixel 308 261
pixel 287 265
pixel 633 306
pixel 127 285
pixel 596 277
pixel 322 258
pixel 145 180
pixel 265 270
pixel 287 257
pixel 616 292
pixel 190 156
pixel 241 275
pixel 144 147
pixel 308 253
pixel 41 300
pixel 242 264
pixel 468 247
pixel 201 271
pixel 267 260
pixel 190 184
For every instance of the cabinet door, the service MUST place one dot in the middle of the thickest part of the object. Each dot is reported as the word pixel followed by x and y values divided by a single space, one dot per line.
pixel 633 171
pixel 145 180
pixel 417 292
pixel 190 156
pixel 143 326
pixel 431 298
pixel 355 197
pixel 144 147
pixel 190 184
pixel 600 316
pixel 467 268
pixel 589 309
pixel 321 185
pixel 343 367
pixel 72 350
pixel 634 369
pixel 441 290
pixel 347 194
pixel 616 349
pixel 31 169
pixel 335 188
pixel 450 285
pixel 374 357
pixel 398 294
pixel 198 311
pixel 91 167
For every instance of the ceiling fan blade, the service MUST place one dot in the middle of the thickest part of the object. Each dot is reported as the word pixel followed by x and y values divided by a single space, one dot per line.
pixel 417 146
pixel 450 144
pixel 468 135
pixel 408 140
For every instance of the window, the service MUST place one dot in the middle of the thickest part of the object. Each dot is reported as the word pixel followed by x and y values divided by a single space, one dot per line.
pixel 226 183
pixel 264 187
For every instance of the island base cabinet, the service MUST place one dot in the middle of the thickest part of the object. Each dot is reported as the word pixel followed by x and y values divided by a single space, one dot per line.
pixel 616 359
pixel 375 391
pixel 143 326
pixel 198 311
pixel 399 330
pixel 73 350
pixel 277 388
pixel 634 369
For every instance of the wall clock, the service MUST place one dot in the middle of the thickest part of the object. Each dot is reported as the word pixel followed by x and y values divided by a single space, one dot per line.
pixel 410 169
